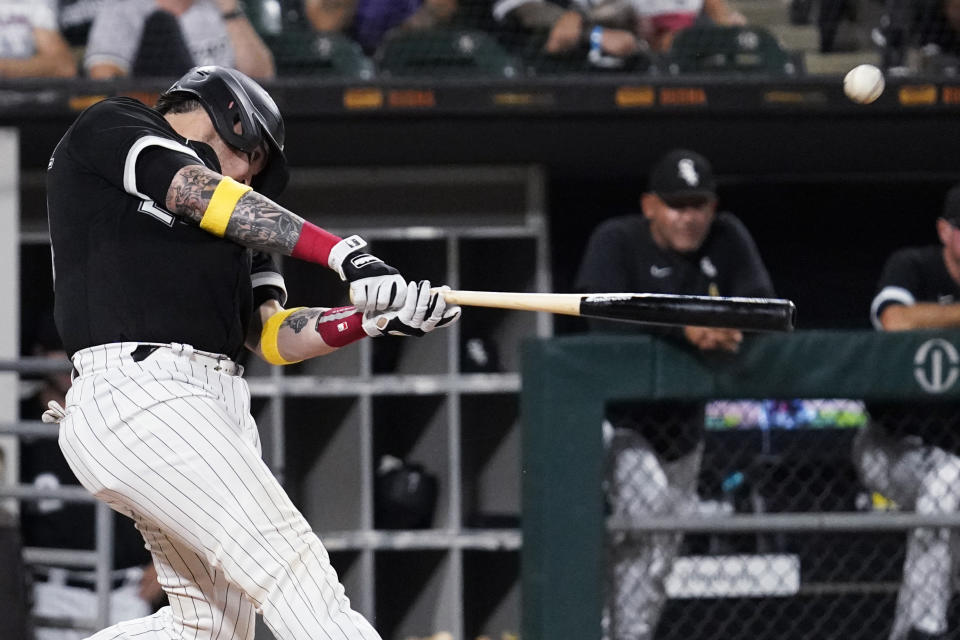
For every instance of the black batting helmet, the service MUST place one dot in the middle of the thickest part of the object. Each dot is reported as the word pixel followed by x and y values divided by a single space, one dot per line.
pixel 230 97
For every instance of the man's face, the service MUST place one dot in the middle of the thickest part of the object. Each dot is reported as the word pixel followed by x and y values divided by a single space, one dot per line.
pixel 950 237
pixel 680 224
pixel 240 166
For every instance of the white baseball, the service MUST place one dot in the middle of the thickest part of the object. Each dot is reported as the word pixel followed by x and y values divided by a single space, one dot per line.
pixel 864 83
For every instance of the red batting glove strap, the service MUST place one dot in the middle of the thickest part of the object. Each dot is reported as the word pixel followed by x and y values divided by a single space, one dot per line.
pixel 314 244
pixel 340 326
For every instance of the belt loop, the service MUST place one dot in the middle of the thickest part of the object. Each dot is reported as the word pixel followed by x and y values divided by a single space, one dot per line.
pixel 185 350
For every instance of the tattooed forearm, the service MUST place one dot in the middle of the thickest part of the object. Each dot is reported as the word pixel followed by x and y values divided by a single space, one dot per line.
pixel 256 222
pixel 299 319
pixel 261 224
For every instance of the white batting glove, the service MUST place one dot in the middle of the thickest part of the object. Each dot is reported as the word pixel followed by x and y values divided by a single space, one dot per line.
pixel 423 311
pixel 54 414
pixel 374 285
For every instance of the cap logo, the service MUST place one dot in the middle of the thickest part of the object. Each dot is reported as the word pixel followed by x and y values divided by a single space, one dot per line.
pixel 688 172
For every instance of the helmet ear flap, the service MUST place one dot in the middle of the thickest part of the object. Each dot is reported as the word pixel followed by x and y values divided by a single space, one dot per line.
pixel 273 179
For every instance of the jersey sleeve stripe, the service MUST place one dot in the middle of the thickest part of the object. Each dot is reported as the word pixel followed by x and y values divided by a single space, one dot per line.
pixel 887 296
pixel 130 164
pixel 270 279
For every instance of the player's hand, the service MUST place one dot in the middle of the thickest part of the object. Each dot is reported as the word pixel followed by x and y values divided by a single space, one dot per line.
pixel 423 311
pixel 712 339
pixel 374 285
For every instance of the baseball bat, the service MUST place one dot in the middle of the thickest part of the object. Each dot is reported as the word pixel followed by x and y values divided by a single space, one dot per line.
pixel 752 314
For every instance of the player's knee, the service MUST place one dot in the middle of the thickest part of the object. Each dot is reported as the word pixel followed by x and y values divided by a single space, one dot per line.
pixel 868 458
pixel 650 497
pixel 938 489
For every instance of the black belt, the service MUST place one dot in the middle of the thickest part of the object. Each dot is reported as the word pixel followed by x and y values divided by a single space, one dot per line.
pixel 143 352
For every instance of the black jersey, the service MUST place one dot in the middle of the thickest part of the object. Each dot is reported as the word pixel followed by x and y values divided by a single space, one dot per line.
pixel 916 274
pixel 125 269
pixel 912 275
pixel 622 256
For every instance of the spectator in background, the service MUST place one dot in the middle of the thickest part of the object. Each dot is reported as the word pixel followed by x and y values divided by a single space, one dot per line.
pixel 908 452
pixel 617 28
pixel 76 17
pixel 370 21
pixel 920 36
pixel 168 37
pixel 937 35
pixel 50 523
pixel 608 27
pixel 30 44
pixel 679 245
pixel 938 25
pixel 660 20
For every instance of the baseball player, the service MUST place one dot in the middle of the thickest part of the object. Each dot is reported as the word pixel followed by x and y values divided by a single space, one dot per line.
pixel 909 452
pixel 679 245
pixel 162 233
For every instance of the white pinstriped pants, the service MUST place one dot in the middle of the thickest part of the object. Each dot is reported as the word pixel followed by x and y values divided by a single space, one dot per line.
pixel 925 479
pixel 641 484
pixel 171 443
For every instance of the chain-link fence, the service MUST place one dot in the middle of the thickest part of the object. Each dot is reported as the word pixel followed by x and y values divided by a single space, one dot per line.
pixel 787 518
pixel 772 457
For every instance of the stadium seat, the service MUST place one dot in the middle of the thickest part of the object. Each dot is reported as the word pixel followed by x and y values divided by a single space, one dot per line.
pixel 444 52
pixel 713 49
pixel 304 52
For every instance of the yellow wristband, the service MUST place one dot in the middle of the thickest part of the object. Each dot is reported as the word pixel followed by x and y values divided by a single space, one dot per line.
pixel 222 204
pixel 268 337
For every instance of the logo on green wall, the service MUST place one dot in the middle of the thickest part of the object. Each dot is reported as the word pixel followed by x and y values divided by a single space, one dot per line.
pixel 936 365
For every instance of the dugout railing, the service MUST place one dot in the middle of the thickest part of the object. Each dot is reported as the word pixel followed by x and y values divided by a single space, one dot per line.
pixel 98 561
pixel 847 555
